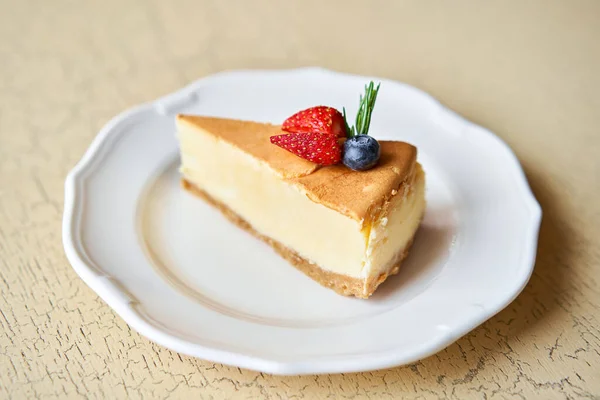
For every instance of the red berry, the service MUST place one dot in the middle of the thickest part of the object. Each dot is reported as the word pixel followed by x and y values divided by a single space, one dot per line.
pixel 319 119
pixel 315 147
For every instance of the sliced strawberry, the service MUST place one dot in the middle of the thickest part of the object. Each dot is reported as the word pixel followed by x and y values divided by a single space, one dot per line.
pixel 320 119
pixel 315 147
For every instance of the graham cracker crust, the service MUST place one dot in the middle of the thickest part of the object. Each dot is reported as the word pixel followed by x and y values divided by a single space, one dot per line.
pixel 341 284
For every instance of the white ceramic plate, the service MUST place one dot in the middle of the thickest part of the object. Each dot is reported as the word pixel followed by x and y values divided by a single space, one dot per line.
pixel 183 276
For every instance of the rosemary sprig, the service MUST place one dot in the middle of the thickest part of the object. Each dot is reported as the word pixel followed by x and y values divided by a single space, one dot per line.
pixel 365 109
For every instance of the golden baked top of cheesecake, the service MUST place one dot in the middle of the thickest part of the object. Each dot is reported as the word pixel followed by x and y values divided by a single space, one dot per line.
pixel 352 193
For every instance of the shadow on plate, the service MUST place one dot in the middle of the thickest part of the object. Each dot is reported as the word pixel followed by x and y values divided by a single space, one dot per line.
pixel 539 300
pixel 425 261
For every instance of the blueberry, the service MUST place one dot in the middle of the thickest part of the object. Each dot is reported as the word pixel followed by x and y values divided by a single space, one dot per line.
pixel 361 152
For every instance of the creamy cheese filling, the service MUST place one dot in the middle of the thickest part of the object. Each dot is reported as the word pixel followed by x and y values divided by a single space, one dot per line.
pixel 392 233
pixel 281 210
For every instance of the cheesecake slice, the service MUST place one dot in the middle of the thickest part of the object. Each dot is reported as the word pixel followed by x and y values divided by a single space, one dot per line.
pixel 345 229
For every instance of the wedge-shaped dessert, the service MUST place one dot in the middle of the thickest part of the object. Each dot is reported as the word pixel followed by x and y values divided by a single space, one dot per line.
pixel 348 230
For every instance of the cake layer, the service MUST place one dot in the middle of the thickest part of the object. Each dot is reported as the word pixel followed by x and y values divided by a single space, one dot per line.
pixel 275 207
pixel 290 203
pixel 342 284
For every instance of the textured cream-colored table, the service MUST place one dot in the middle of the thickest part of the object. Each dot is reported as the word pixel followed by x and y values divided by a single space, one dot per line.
pixel 528 70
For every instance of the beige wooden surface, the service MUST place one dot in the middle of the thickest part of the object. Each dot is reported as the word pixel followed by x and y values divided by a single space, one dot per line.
pixel 528 70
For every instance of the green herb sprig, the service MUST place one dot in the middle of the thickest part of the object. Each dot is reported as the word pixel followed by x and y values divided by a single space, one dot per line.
pixel 365 109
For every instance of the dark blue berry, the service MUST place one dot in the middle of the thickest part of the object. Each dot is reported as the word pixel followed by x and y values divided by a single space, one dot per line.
pixel 361 152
